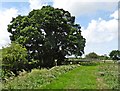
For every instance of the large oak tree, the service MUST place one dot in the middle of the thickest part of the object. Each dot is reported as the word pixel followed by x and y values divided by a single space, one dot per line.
pixel 48 34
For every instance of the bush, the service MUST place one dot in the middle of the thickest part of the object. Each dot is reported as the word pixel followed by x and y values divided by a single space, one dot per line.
pixel 14 58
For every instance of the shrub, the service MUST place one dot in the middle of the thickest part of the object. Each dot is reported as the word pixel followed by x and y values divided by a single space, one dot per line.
pixel 14 58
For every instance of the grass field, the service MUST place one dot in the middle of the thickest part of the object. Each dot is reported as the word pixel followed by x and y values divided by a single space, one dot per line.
pixel 96 76
pixel 82 77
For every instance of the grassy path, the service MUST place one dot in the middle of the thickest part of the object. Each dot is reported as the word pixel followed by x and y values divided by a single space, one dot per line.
pixel 83 77
pixel 98 76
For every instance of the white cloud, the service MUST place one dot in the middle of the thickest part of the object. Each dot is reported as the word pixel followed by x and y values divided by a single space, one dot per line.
pixel 114 15
pixel 6 17
pixel 80 7
pixel 37 4
pixel 76 7
pixel 101 32
pixel 14 0
pixel 95 0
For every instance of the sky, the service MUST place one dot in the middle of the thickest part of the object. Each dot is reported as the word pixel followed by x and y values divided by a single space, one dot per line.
pixel 98 19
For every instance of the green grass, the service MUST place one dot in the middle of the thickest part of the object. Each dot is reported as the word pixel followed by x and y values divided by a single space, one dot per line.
pixel 83 77
pixel 37 78
pixel 101 76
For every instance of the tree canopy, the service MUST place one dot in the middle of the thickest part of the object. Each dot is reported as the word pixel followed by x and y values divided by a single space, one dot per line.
pixel 92 55
pixel 48 34
pixel 115 54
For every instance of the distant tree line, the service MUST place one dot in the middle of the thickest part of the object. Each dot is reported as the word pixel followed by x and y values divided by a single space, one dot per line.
pixel 113 55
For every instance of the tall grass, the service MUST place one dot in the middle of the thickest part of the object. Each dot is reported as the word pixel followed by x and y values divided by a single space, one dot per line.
pixel 110 74
pixel 37 78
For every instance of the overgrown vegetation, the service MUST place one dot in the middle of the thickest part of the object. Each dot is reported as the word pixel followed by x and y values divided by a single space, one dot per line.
pixel 37 78
pixel 96 76
pixel 14 59
pixel 109 74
